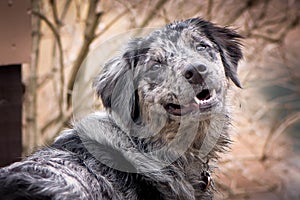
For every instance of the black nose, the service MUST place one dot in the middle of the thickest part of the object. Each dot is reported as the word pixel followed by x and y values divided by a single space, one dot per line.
pixel 194 73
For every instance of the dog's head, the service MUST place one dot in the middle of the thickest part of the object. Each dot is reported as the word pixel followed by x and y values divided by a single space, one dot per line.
pixel 180 70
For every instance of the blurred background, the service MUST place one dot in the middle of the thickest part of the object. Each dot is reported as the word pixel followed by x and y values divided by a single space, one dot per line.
pixel 264 162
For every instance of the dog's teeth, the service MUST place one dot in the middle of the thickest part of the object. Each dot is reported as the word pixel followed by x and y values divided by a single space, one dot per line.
pixel 213 93
pixel 197 100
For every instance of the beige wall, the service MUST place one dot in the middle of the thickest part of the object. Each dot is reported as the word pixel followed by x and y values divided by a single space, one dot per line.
pixel 15 32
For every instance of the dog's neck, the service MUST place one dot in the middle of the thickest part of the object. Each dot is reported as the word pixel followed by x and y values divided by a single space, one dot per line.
pixel 184 173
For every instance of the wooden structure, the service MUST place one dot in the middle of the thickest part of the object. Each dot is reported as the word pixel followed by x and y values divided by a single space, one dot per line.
pixel 15 37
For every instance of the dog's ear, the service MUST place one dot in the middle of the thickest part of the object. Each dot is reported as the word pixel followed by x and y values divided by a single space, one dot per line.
pixel 230 50
pixel 112 73
pixel 116 85
pixel 228 42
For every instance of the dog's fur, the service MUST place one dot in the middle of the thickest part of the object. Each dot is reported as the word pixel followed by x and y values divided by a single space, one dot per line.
pixel 143 146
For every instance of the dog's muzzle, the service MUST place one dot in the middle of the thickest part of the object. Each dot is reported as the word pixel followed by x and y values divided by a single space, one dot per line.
pixel 205 98
pixel 202 102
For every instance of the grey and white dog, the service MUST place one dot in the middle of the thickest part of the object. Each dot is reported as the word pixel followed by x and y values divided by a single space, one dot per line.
pixel 166 117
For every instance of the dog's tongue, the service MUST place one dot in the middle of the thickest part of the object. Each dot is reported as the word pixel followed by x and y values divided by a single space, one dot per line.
pixel 182 109
pixel 200 101
pixel 189 107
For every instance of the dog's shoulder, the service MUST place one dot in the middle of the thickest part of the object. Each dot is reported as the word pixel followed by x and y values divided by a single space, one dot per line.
pixel 66 169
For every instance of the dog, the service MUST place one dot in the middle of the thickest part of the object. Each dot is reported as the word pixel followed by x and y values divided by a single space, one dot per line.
pixel 166 119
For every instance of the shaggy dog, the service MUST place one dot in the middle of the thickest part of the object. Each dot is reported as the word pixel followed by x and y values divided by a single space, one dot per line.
pixel 166 118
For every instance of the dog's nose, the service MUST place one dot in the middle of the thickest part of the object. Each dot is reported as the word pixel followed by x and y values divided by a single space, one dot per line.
pixel 194 73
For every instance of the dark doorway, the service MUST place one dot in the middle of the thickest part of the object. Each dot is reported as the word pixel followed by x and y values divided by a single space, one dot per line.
pixel 10 114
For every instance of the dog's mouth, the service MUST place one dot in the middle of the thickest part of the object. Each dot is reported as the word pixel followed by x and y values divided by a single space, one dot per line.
pixel 203 101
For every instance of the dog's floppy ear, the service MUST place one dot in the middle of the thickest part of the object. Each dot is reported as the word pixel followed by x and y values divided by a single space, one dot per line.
pixel 115 71
pixel 116 85
pixel 230 50
pixel 228 43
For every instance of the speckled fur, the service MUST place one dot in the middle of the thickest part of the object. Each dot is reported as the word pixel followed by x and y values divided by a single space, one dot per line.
pixel 137 150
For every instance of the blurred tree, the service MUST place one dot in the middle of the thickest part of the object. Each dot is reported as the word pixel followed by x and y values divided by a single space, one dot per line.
pixel 30 103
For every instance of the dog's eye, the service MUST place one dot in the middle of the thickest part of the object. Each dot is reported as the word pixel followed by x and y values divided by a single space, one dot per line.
pixel 155 66
pixel 201 47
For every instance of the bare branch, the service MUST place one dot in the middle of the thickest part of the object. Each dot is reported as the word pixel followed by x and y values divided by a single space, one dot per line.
pixel 65 10
pixel 277 130
pixel 92 22
pixel 116 19
pixel 61 72
pixel 268 38
pixel 111 23
pixel 58 39
pixel 59 23
pixel 249 4
pixel 78 10
pixel 50 123
pixel 44 79
pixel 281 35
pixel 263 10
pixel 57 127
pixel 152 13
pixel 54 12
